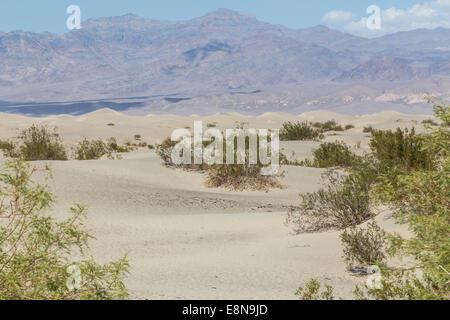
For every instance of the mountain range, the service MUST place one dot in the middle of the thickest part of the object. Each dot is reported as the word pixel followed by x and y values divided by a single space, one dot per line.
pixel 223 61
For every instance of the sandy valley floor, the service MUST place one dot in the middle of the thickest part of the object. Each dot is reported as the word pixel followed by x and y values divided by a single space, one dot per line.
pixel 186 241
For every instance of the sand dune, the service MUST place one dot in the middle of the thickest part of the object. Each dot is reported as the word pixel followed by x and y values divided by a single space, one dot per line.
pixel 186 241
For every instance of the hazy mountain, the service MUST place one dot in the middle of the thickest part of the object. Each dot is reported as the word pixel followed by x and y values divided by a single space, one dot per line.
pixel 222 54
pixel 382 69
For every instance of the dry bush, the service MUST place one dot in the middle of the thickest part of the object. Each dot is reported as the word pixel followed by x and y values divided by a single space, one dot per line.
pixel 364 246
pixel 235 176
pixel 333 154
pixel 342 203
pixel 299 131
pixel 95 149
pixel 239 177
pixel 330 125
pixel 311 291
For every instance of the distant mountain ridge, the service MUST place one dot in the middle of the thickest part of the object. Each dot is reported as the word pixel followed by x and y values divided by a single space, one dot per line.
pixel 216 54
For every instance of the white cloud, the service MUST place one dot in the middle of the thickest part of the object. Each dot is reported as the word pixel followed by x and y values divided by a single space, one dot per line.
pixel 429 15
pixel 338 16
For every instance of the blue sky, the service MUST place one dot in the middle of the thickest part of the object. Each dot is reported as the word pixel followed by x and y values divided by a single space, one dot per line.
pixel 348 15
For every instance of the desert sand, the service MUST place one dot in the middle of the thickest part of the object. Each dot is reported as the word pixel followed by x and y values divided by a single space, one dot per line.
pixel 186 241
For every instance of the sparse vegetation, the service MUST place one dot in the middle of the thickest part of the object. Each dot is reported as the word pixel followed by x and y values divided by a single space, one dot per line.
pixel 420 198
pixel 41 143
pixel 368 129
pixel 401 148
pixel 36 251
pixel 430 122
pixel 333 154
pixel 97 148
pixel 412 176
pixel 342 203
pixel 330 125
pixel 311 291
pixel 349 126
pixel 328 155
pixel 8 148
pixel 234 176
pixel 364 246
pixel 299 131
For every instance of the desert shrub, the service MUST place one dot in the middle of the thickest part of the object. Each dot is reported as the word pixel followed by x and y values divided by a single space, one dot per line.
pixel 330 125
pixel 8 148
pixel 401 148
pixel 236 176
pixel 113 146
pixel 239 177
pixel 430 122
pixel 137 137
pixel 211 125
pixel 349 126
pixel 41 143
pixel 151 147
pixel 343 202
pixel 91 150
pixel 368 129
pixel 36 251
pixel 420 198
pixel 311 291
pixel 97 148
pixel 333 154
pixel 299 131
pixel 364 246
pixel 111 124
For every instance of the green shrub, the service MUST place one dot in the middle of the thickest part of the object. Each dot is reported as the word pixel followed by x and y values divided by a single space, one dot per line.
pixel 333 154
pixel 402 149
pixel 299 131
pixel 311 291
pixel 91 150
pixel 330 125
pixel 97 148
pixel 414 183
pixel 284 160
pixel 364 246
pixel 40 143
pixel 420 198
pixel 349 126
pixel 113 146
pixel 36 251
pixel 137 137
pixel 239 177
